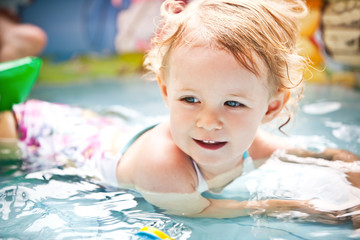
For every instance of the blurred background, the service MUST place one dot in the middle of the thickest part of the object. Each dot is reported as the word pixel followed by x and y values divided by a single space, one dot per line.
pixel 88 39
pixel 85 39
pixel 92 50
pixel 92 53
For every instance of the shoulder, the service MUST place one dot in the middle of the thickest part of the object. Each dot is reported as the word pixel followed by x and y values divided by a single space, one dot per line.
pixel 158 165
pixel 265 144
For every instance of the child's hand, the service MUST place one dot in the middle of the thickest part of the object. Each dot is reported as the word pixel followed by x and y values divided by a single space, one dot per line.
pixel 331 154
pixel 340 154
pixel 279 207
pixel 325 215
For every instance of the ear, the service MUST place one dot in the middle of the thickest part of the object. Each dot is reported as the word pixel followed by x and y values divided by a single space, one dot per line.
pixel 162 85
pixel 276 104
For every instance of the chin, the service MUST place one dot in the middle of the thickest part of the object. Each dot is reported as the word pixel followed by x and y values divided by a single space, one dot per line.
pixel 208 160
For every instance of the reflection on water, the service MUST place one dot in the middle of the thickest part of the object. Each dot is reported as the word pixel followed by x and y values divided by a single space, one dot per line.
pixel 321 108
pixel 65 204
pixel 345 132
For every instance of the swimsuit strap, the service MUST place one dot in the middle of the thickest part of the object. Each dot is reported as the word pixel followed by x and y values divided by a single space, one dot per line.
pixel 133 139
pixel 246 155
pixel 248 164
pixel 109 163
pixel 202 184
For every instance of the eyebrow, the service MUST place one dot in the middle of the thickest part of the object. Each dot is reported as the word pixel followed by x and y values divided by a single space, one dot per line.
pixel 186 89
pixel 246 96
pixel 233 94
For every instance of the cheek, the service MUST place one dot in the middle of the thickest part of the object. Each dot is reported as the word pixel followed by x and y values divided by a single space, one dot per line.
pixel 256 117
pixel 180 114
pixel 247 119
pixel 245 125
pixel 179 132
pixel 181 123
pixel 178 119
pixel 243 131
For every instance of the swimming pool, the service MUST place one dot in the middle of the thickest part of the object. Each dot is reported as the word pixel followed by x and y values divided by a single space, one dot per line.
pixel 55 203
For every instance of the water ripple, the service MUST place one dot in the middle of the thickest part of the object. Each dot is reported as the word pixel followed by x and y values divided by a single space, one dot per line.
pixel 65 204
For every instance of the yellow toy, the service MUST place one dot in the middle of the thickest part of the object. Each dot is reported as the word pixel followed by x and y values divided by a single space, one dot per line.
pixel 152 233
pixel 308 46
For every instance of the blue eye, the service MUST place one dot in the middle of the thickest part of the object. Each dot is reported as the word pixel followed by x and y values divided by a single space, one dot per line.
pixel 234 104
pixel 190 99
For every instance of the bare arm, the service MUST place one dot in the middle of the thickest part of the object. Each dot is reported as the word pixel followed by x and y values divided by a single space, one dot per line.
pixel 194 205
pixel 328 154
pixel 265 144
pixel 7 125
pixel 226 208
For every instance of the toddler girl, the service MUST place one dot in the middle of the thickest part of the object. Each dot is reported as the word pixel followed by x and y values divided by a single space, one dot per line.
pixel 224 68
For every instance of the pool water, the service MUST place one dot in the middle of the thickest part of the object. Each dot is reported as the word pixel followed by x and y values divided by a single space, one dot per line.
pixel 57 203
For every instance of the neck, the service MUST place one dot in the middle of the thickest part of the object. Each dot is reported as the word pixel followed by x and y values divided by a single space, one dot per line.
pixel 220 181
pixel 215 172
pixel 217 180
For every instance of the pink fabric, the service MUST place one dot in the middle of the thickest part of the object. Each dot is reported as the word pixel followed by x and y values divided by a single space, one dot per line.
pixel 62 133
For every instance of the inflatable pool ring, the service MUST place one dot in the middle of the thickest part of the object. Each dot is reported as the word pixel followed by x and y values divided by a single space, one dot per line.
pixel 309 46
pixel 152 233
pixel 17 79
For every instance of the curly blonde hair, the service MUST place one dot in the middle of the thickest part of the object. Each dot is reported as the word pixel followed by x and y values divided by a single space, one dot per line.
pixel 248 29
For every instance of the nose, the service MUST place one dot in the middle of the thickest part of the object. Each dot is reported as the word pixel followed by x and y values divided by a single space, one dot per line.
pixel 209 120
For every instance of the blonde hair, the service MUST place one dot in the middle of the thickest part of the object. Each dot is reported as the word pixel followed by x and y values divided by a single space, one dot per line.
pixel 248 29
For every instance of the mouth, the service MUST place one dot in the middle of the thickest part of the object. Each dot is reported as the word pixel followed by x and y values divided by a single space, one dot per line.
pixel 211 145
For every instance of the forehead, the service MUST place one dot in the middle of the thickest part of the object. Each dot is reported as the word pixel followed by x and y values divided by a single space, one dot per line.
pixel 203 58
pixel 214 71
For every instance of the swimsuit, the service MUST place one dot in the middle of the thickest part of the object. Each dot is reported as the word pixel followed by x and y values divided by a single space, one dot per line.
pixel 202 184
pixel 57 134
pixel 61 135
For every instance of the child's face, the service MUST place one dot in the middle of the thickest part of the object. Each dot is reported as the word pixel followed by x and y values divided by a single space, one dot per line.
pixel 216 105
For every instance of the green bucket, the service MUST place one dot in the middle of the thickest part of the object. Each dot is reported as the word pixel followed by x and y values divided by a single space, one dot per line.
pixel 17 79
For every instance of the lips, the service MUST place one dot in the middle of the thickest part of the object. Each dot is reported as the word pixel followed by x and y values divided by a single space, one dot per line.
pixel 211 145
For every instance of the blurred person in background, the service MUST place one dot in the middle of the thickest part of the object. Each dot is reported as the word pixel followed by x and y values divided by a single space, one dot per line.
pixel 18 39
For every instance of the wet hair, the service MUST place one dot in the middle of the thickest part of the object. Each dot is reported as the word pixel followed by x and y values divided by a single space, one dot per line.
pixel 248 29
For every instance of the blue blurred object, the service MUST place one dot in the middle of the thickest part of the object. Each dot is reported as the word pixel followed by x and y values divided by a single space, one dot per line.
pixel 75 27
